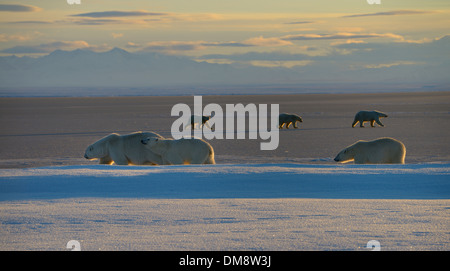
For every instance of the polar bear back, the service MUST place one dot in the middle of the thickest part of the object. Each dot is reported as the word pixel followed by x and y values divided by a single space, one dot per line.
pixel 123 149
pixel 372 116
pixel 379 151
pixel 183 151
pixel 132 148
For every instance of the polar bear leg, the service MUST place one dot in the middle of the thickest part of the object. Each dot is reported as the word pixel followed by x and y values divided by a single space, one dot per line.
pixel 354 123
pixel 119 159
pixel 359 160
pixel 166 162
pixel 122 161
pixel 173 159
pixel 105 160
pixel 372 123
pixel 209 160
pixel 203 160
pixel 398 159
pixel 379 122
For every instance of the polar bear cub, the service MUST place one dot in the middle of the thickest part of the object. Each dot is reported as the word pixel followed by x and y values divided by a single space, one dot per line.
pixel 181 151
pixel 372 116
pixel 123 150
pixel 380 151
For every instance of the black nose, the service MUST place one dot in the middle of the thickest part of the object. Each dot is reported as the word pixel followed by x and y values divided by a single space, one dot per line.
pixel 335 159
pixel 85 156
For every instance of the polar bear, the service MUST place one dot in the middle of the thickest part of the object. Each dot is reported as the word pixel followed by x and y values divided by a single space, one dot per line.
pixel 288 119
pixel 380 151
pixel 123 150
pixel 181 151
pixel 372 116
pixel 200 120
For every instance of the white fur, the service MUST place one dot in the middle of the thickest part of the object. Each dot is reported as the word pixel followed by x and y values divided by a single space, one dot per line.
pixel 123 150
pixel 181 151
pixel 380 151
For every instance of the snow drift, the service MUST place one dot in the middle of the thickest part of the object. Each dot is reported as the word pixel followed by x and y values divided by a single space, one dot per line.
pixel 412 181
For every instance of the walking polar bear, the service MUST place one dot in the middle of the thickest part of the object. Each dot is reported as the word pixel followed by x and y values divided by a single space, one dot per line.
pixel 288 119
pixel 181 151
pixel 380 151
pixel 372 116
pixel 123 150
pixel 200 120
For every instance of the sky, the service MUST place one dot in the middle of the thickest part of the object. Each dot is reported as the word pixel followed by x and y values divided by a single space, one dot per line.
pixel 267 33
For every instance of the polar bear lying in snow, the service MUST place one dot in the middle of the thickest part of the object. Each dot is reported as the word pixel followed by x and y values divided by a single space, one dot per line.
pixel 181 151
pixel 123 150
pixel 380 151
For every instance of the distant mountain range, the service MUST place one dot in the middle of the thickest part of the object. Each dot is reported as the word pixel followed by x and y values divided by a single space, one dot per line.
pixel 118 68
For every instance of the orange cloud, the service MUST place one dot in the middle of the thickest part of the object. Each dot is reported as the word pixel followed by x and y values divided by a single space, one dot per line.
pixel 271 42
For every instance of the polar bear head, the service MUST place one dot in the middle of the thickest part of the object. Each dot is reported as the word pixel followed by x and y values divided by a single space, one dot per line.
pixel 297 118
pixel 155 144
pixel 98 149
pixel 347 154
pixel 381 114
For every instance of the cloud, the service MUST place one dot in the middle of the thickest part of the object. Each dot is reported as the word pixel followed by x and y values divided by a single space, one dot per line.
pixel 171 46
pixel 300 22
pixel 338 36
pixel 6 38
pixel 140 17
pixel 391 64
pixel 257 56
pixel 116 35
pixel 174 46
pixel 266 59
pixel 379 55
pixel 47 47
pixel 97 21
pixel 390 13
pixel 31 22
pixel 271 42
pixel 19 8
pixel 226 44
pixel 348 54
pixel 107 14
